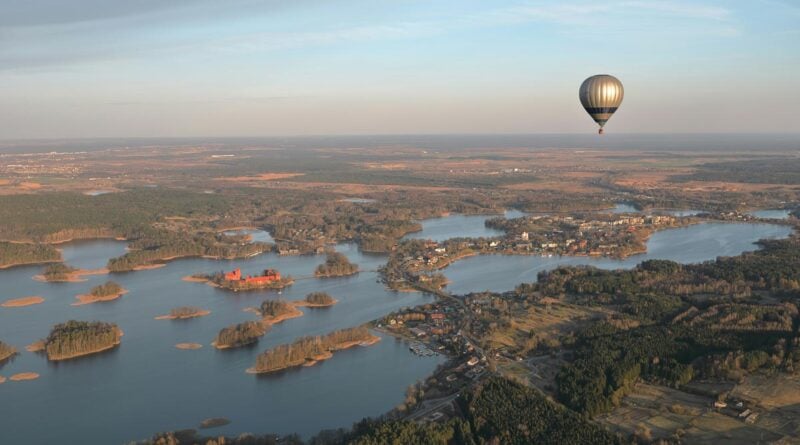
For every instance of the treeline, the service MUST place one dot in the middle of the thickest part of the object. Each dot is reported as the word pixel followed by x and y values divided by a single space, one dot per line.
pixel 308 349
pixel 58 272
pixel 6 351
pixel 241 334
pixel 75 338
pixel 336 265
pixel 150 245
pixel 52 217
pixel 319 298
pixel 106 289
pixel 498 411
pixel 25 253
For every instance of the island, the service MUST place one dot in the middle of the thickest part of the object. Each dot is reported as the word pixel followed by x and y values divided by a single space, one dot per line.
pixel 184 313
pixel 62 273
pixel 239 335
pixel 316 299
pixel 214 422
pixel 59 272
pixel 276 311
pixel 236 281
pixel 308 351
pixel 78 338
pixel 188 346
pixel 22 376
pixel 336 265
pixel 22 302
pixel 101 293
pixel 6 352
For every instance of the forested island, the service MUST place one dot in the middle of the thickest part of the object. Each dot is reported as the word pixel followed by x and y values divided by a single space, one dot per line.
pixel 183 313
pixel 336 265
pixel 6 352
pixel 276 311
pixel 316 299
pixel 307 351
pixel 101 293
pixel 241 334
pixel 77 338
pixel 59 272
pixel 18 254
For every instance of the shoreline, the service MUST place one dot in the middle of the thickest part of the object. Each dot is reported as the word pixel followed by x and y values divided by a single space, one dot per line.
pixel 22 302
pixel 23 376
pixel 73 277
pixel 356 272
pixel 84 299
pixel 202 313
pixel 94 351
pixel 30 263
pixel 304 303
pixel 311 361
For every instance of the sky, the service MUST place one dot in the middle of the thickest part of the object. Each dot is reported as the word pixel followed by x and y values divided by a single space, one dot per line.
pixel 157 68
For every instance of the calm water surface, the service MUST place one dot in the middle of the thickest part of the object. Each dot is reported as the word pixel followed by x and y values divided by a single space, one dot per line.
pixel 772 214
pixel 146 385
pixel 472 226
pixel 693 244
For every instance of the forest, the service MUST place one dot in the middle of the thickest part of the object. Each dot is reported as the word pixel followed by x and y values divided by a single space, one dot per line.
pixel 306 349
pixel 12 254
pixel 336 265
pixel 76 338
pixel 61 216
pixel 497 411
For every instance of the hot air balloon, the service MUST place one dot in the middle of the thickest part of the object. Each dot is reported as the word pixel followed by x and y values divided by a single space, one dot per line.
pixel 601 95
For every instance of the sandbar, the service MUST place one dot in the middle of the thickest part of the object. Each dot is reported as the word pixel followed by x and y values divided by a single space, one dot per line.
pixel 22 302
pixel 24 376
pixel 188 346
pixel 202 313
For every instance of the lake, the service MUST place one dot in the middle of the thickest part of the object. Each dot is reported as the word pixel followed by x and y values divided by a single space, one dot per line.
pixel 472 226
pixel 147 385
pixel 692 244
pixel 772 213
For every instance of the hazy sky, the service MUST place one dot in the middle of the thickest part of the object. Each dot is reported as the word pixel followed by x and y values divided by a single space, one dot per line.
pixel 85 68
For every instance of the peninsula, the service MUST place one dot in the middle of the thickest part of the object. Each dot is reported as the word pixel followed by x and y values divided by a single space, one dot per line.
pixel 308 351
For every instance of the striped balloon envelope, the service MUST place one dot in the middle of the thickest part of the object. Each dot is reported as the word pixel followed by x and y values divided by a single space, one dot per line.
pixel 601 95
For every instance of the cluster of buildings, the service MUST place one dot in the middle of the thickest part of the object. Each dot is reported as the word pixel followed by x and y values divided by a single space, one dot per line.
pixel 269 276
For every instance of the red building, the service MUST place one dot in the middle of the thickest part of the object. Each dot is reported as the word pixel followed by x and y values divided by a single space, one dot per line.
pixel 268 276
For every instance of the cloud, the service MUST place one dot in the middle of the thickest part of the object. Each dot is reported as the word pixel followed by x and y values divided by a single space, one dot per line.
pixel 78 34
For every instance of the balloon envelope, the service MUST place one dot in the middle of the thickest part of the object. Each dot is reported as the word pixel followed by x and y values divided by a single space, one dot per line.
pixel 600 96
